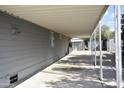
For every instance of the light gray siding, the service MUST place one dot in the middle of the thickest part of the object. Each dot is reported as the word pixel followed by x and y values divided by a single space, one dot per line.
pixel 28 51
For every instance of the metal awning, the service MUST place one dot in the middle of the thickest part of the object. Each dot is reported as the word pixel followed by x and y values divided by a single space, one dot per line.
pixel 74 21
pixel 70 20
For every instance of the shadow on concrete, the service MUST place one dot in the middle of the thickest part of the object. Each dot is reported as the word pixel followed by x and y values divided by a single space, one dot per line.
pixel 77 60
pixel 66 83
pixel 108 60
pixel 82 76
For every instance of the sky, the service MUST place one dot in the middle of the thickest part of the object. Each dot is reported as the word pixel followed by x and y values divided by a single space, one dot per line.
pixel 108 18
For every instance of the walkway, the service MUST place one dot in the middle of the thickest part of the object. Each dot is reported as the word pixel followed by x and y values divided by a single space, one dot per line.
pixel 74 71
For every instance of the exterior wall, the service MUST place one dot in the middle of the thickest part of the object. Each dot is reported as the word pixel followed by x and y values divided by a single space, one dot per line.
pixel 28 50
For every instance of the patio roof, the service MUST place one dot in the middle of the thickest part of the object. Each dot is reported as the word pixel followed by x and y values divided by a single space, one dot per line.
pixel 71 20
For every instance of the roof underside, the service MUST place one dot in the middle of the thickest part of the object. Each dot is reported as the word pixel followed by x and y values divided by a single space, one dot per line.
pixel 70 20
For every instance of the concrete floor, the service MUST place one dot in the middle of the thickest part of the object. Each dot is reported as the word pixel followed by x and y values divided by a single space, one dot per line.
pixel 75 71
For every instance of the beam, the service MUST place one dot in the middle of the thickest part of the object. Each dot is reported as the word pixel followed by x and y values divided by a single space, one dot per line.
pixel 118 57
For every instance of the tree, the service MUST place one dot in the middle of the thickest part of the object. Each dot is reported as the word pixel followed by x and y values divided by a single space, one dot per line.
pixel 105 33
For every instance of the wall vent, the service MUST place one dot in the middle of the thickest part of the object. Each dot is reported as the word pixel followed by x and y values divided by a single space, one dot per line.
pixel 13 78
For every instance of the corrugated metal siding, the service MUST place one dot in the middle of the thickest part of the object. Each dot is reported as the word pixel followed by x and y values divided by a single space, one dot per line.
pixel 28 51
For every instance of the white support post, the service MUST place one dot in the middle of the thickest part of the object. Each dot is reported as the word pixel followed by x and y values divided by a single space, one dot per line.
pixel 95 46
pixel 118 47
pixel 90 44
pixel 100 45
pixel 93 49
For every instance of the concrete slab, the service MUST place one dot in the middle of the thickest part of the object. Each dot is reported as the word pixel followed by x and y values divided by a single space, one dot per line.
pixel 75 71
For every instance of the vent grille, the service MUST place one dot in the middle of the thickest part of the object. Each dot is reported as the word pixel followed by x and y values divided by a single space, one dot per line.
pixel 13 78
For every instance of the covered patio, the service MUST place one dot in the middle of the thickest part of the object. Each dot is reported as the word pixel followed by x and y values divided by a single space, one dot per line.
pixel 79 68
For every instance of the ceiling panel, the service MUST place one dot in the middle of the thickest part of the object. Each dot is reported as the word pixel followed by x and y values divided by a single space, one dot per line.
pixel 70 20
